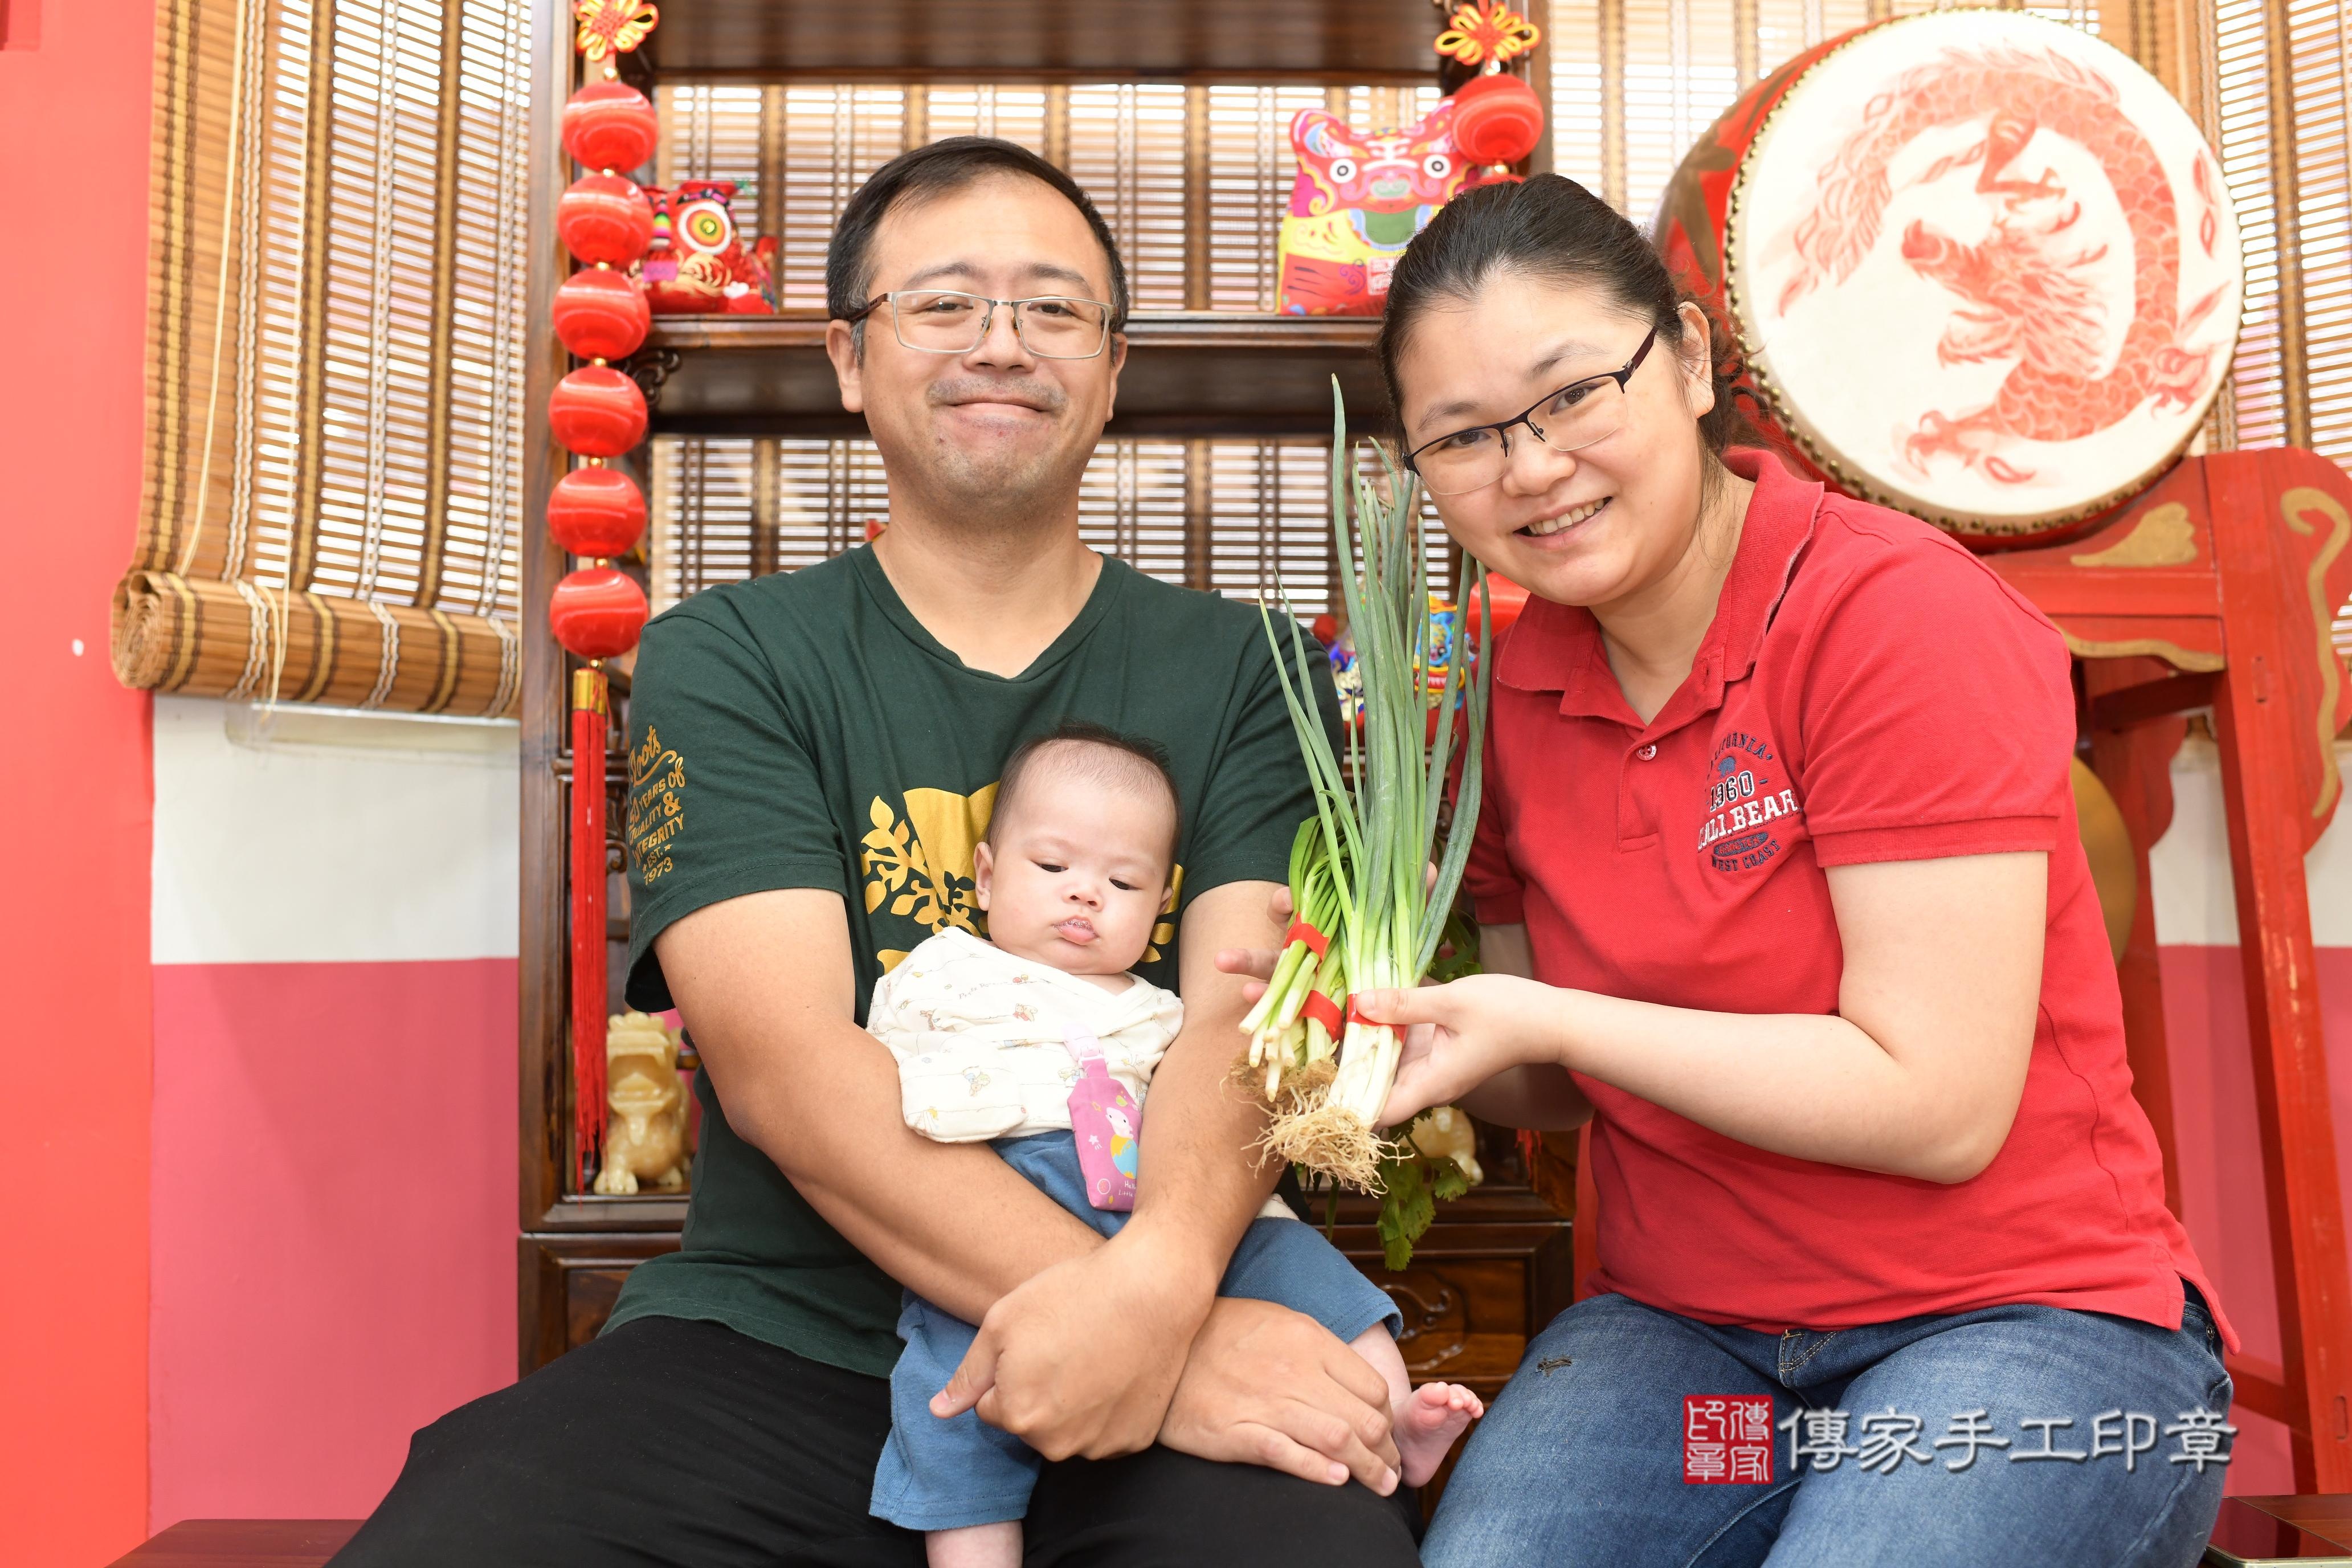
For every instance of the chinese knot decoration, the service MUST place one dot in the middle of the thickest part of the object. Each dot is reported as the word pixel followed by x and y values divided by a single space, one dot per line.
pixel 1488 34
pixel 594 511
pixel 609 27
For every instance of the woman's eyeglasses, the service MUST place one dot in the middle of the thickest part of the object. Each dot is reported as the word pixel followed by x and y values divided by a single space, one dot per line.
pixel 1577 415
pixel 947 322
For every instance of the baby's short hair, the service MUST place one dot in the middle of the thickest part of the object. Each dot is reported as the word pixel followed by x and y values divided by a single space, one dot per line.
pixel 1095 752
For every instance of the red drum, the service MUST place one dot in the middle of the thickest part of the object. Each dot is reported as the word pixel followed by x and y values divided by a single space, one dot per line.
pixel 1981 267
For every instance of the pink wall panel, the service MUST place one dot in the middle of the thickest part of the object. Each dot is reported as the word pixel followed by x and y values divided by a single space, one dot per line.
pixel 334 1230
pixel 2220 1171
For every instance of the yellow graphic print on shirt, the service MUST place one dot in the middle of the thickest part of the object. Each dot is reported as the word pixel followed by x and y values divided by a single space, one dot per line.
pixel 919 866
pixel 656 775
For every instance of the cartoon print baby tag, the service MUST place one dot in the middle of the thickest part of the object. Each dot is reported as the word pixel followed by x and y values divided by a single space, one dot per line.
pixel 1105 1121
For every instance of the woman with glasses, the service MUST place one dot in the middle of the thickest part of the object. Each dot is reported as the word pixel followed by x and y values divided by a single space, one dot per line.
pixel 1779 882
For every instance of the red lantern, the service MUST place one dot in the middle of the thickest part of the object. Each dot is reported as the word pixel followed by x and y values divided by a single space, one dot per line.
pixel 597 612
pixel 1497 119
pixel 597 412
pixel 1510 600
pixel 609 125
pixel 601 314
pixel 596 513
pixel 604 217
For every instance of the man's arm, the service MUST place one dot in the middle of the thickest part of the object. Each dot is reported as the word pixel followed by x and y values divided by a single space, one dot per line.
pixel 1201 1180
pixel 765 982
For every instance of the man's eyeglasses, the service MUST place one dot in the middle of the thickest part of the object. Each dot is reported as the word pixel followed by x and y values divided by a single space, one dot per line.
pixel 1578 414
pixel 947 322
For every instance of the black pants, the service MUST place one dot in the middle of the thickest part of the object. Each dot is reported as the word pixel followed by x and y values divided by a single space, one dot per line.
pixel 675 1441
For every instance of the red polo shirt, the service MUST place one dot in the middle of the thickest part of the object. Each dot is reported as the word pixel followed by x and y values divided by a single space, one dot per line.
pixel 1868 690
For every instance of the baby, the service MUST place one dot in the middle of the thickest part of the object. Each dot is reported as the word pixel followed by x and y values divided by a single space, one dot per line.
pixel 1038 1040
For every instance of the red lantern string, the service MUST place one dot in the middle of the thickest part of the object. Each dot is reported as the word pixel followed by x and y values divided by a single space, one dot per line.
pixel 1497 119
pixel 598 412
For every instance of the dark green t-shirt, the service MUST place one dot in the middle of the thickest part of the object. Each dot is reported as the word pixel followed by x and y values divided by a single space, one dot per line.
pixel 804 730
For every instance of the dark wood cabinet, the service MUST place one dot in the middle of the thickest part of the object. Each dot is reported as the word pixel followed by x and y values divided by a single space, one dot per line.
pixel 1495 1267
pixel 1188 374
pixel 1044 41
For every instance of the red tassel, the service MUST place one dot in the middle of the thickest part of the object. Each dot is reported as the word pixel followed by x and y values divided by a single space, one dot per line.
pixel 588 726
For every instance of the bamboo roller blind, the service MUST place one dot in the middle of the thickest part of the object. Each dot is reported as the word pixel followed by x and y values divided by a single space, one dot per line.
pixel 332 499
pixel 1236 516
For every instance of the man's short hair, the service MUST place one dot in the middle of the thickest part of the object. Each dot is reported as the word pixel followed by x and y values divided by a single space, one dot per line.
pixel 1097 752
pixel 934 170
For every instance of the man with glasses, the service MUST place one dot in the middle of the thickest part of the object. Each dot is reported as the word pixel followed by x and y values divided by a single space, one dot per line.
pixel 812 758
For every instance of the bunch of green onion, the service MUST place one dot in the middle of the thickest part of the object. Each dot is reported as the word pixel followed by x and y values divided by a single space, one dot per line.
pixel 1357 872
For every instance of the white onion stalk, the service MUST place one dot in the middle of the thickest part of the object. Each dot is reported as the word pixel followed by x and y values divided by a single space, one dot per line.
pixel 1359 863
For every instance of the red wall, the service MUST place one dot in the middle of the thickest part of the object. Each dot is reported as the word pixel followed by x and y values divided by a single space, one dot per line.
pixel 73 1316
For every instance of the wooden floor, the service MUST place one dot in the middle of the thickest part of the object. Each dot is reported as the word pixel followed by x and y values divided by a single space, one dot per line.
pixel 244 1543
pixel 308 1543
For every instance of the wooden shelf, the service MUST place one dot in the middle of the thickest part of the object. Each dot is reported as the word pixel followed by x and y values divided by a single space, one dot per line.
pixel 1193 372
pixel 1344 41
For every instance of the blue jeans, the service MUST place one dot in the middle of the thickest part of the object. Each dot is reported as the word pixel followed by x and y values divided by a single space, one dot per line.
pixel 943 1475
pixel 1583 1458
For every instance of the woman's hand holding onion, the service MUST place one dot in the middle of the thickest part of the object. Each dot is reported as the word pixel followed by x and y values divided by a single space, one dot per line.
pixel 1460 1034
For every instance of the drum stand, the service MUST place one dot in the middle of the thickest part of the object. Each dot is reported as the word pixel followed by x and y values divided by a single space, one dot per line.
pixel 2215 588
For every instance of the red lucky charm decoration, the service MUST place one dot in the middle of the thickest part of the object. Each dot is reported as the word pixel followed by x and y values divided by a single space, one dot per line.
pixel 601 314
pixel 596 513
pixel 1497 119
pixel 612 26
pixel 597 612
pixel 604 218
pixel 1489 33
pixel 597 412
pixel 608 125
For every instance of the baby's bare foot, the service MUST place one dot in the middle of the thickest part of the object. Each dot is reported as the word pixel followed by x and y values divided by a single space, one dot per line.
pixel 1428 1423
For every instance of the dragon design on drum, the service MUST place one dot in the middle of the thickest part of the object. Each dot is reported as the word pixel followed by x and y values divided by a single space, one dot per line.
pixel 2029 290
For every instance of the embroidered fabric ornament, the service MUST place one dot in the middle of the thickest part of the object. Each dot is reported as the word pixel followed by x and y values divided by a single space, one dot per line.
pixel 1357 202
pixel 697 263
pixel 1488 31
pixel 1106 1123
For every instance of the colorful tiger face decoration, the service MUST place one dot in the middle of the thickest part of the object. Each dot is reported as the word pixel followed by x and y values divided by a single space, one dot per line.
pixel 1357 202
pixel 698 264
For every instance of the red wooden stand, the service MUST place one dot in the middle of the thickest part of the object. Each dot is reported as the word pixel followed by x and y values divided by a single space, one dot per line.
pixel 2216 587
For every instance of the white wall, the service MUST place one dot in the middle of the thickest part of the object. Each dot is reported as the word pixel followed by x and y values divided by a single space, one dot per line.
pixel 2196 905
pixel 303 838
